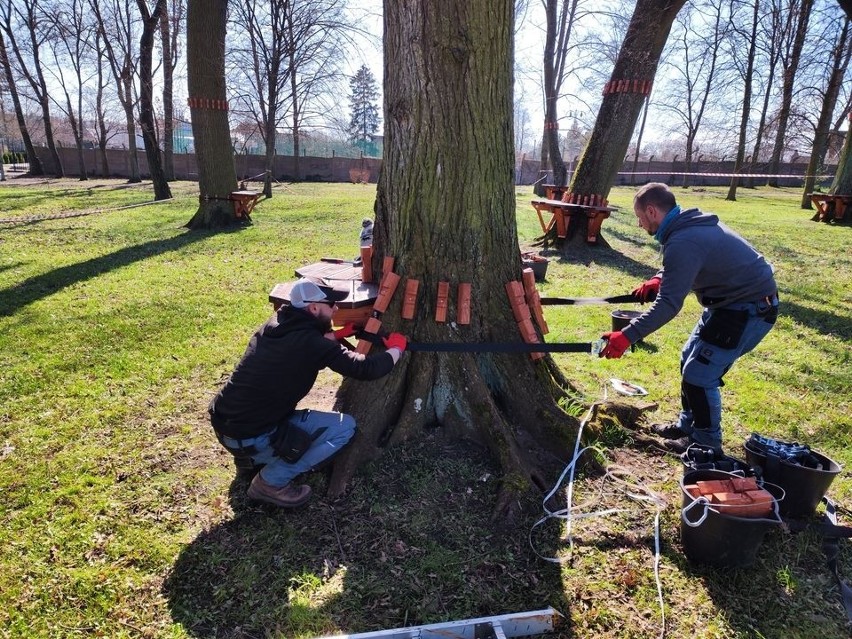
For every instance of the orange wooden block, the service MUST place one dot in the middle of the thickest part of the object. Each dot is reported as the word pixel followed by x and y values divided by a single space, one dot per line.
pixel 387 288
pixel 442 302
pixel 529 336
pixel 373 325
pixel 534 299
pixel 387 264
pixel 463 306
pixel 517 300
pixel 366 264
pixel 409 300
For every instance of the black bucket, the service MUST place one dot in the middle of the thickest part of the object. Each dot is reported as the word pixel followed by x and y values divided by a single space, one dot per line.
pixel 620 319
pixel 709 537
pixel 804 486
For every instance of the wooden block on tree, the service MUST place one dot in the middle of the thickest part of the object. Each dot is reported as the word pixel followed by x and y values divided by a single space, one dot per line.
pixel 517 300
pixel 442 302
pixel 366 264
pixel 373 325
pixel 463 306
pixel 530 336
pixel 409 300
pixel 534 300
pixel 387 288
pixel 387 265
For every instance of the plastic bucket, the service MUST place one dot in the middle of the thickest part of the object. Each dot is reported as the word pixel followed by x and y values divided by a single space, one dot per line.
pixel 804 487
pixel 710 537
pixel 538 264
pixel 621 318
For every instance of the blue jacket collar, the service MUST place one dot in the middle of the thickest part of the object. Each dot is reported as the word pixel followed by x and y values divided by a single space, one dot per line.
pixel 670 216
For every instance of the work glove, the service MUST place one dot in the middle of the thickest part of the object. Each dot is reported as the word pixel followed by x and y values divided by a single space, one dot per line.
pixel 647 291
pixel 348 330
pixel 396 340
pixel 616 344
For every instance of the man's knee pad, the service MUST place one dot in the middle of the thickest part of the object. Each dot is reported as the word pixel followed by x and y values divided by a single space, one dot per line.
pixel 696 398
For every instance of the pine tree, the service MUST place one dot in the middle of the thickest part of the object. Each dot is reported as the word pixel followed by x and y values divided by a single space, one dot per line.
pixel 365 114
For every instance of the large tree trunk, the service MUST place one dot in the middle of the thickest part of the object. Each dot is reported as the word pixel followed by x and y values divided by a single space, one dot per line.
pixel 746 110
pixel 169 56
pixel 206 21
pixel 631 80
pixel 842 184
pixel 150 22
pixel 445 212
pixel 790 70
pixel 840 62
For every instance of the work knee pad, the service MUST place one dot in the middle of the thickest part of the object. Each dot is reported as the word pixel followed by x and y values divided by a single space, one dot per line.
pixel 695 397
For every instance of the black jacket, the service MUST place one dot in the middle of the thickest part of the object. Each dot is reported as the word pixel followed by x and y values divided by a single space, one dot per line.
pixel 279 368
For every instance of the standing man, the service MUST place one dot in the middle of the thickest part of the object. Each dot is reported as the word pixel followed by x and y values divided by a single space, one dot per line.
pixel 733 282
pixel 254 415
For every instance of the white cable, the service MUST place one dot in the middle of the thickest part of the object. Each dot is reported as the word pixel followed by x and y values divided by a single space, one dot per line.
pixel 634 491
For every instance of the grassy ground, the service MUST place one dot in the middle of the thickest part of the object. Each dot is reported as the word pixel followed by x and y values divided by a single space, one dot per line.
pixel 121 516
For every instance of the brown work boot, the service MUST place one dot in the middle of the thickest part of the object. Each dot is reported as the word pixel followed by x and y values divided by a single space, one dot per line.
pixel 289 496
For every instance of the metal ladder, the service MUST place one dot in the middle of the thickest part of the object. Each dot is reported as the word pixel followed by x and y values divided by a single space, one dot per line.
pixel 521 624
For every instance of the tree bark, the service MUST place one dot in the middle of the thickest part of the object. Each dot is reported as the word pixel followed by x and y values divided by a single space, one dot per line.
pixel 791 67
pixel 206 22
pixel 170 56
pixel 746 110
pixel 840 62
pixel 36 167
pixel 842 184
pixel 445 212
pixel 150 23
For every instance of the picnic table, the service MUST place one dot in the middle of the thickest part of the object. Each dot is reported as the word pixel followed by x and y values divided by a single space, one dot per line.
pixel 244 202
pixel 831 207
pixel 341 275
pixel 561 213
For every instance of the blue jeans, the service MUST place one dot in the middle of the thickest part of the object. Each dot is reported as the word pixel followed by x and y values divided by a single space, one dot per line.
pixel 331 432
pixel 703 365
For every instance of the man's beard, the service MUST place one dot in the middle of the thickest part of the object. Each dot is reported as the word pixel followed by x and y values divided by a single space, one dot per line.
pixel 324 324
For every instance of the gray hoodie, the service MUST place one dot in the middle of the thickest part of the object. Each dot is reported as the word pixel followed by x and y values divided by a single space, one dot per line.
pixel 703 255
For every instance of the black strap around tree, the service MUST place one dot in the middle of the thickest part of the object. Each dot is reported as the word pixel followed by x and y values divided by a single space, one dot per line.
pixel 485 347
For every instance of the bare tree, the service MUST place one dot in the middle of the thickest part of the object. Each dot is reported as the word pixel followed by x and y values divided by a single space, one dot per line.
pixel 560 17
pixel 118 35
pixel 799 14
pixel 36 167
pixel 702 29
pixel 27 15
pixel 71 45
pixel 841 52
pixel 260 55
pixel 315 35
pixel 103 131
pixel 748 78
pixel 170 30
pixel 150 26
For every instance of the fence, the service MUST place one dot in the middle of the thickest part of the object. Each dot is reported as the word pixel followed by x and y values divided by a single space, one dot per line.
pixel 338 169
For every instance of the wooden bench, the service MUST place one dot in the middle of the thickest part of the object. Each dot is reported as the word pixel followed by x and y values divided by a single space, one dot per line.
pixel 837 208
pixel 244 202
pixel 561 213
pixel 340 275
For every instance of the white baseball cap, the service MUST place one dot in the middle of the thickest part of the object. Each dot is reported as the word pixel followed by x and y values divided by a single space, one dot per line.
pixel 305 292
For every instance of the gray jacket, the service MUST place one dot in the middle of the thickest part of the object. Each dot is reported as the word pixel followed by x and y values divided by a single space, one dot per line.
pixel 702 255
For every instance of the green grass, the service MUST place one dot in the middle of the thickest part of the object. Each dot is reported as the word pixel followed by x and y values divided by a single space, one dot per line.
pixel 121 517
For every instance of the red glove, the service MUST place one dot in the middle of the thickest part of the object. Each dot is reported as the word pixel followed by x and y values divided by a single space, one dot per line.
pixel 396 340
pixel 616 344
pixel 348 330
pixel 647 291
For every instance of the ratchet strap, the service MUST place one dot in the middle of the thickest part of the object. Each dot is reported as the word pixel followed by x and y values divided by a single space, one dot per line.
pixel 487 347
pixel 582 301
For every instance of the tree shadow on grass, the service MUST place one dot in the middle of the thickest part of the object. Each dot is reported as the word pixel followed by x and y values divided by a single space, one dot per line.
pixel 412 543
pixel 35 288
